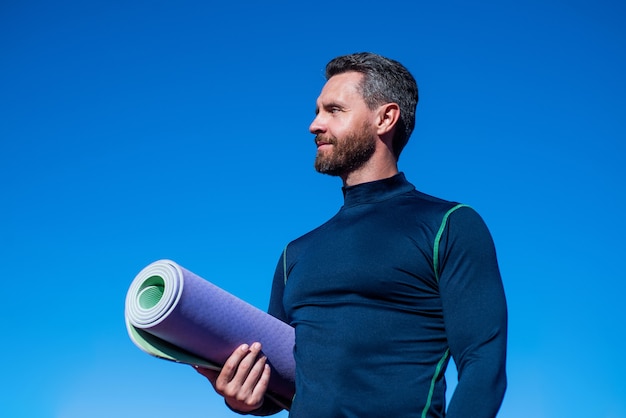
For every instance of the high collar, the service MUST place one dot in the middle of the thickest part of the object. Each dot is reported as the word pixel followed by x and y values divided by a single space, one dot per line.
pixel 376 191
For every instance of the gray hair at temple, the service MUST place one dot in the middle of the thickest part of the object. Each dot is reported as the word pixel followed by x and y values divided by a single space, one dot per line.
pixel 384 81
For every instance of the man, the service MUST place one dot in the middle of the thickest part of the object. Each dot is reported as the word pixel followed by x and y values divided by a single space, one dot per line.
pixel 382 294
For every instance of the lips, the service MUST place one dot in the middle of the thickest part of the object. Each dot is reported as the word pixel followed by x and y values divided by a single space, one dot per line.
pixel 320 141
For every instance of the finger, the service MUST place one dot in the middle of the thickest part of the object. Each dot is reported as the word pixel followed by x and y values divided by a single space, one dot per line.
pixel 236 370
pixel 232 364
pixel 254 375
pixel 260 388
pixel 247 374
pixel 247 366
pixel 252 393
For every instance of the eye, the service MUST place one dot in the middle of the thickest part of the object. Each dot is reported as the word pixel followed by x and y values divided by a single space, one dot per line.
pixel 334 109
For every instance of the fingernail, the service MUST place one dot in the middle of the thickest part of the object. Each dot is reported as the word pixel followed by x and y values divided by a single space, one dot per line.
pixel 256 346
pixel 244 347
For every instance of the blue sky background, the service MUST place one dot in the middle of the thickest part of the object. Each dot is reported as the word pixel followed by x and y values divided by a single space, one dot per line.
pixel 140 130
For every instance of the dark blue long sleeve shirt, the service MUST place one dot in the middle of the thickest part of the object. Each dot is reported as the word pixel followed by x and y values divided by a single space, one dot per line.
pixel 382 296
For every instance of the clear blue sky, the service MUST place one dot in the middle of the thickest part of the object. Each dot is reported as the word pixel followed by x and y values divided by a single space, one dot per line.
pixel 139 130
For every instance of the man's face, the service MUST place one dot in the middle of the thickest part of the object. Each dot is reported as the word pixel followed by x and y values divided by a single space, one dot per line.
pixel 343 127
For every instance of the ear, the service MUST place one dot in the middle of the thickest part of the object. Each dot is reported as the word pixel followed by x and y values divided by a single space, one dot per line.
pixel 387 118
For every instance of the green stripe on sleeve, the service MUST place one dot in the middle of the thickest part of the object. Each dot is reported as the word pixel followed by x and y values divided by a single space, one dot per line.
pixel 285 263
pixel 442 227
pixel 436 376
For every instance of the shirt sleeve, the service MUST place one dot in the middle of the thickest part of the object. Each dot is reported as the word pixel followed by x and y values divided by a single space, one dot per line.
pixel 276 307
pixel 475 314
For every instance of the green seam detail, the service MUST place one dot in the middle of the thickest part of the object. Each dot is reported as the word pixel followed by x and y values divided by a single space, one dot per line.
pixel 285 264
pixel 444 221
pixel 433 381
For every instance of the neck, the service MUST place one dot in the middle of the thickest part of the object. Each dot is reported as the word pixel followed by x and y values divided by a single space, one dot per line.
pixel 370 172
pixel 382 165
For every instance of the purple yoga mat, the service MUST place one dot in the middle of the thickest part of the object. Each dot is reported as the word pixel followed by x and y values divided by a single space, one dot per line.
pixel 174 314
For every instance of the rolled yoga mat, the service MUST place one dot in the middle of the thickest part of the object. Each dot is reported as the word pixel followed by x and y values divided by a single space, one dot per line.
pixel 173 314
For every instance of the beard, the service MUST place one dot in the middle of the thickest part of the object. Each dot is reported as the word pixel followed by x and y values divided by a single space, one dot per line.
pixel 347 154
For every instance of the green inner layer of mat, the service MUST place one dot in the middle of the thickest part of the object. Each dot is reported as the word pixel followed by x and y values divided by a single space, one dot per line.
pixel 151 292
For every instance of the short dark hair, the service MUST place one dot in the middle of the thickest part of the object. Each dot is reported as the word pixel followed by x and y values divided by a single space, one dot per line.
pixel 384 81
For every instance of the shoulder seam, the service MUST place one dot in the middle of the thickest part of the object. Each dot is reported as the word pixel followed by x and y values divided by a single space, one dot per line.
pixel 442 227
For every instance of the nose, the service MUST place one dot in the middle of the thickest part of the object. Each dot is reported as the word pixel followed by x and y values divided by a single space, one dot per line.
pixel 317 125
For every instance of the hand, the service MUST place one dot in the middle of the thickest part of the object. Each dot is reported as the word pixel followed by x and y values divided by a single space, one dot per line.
pixel 243 380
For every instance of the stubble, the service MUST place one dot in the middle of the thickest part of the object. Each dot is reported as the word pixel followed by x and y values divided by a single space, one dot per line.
pixel 347 154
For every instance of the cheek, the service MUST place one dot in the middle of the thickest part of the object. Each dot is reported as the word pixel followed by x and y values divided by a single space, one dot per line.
pixel 339 128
